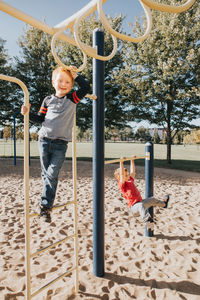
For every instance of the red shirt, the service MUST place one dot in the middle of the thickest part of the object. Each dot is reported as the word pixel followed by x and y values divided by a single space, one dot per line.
pixel 130 192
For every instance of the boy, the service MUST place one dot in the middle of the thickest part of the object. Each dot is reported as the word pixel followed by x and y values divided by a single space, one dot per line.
pixel 56 115
pixel 137 205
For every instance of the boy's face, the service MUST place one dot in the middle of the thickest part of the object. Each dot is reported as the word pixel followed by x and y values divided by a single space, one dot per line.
pixel 62 83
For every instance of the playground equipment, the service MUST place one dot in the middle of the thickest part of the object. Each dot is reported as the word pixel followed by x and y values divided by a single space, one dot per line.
pixel 14 139
pixel 112 161
pixel 124 36
pixel 73 23
pixel 98 117
pixel 26 170
pixel 98 210
pixel 30 255
pixel 169 8
pixel 73 236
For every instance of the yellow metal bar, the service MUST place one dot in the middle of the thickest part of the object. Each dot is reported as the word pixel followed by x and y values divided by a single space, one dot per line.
pixel 125 37
pixel 57 59
pixel 82 45
pixel 86 10
pixel 52 245
pixel 126 159
pixel 40 25
pixel 51 282
pixel 74 167
pixel 26 180
pixel 168 8
pixel 54 208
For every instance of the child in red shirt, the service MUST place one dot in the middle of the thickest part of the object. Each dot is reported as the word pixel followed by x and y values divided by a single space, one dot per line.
pixel 137 205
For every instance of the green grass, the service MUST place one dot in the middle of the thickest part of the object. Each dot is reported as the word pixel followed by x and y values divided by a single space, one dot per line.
pixel 183 157
pixel 178 164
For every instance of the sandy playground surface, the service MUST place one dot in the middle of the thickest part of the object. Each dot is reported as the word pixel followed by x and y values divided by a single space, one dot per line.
pixel 166 266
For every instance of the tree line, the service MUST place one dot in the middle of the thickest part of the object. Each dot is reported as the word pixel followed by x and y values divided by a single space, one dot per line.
pixel 155 81
pixel 127 134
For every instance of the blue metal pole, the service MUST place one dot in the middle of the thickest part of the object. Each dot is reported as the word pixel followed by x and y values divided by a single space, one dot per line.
pixel 149 173
pixel 98 157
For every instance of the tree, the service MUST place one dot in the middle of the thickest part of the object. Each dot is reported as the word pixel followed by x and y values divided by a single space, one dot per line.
pixel 192 138
pixel 142 134
pixel 19 133
pixel 79 133
pixel 114 132
pixel 7 132
pixel 164 71
pixel 178 139
pixel 7 89
pixel 156 138
pixel 107 134
pixel 197 136
pixel 126 133
pixel 34 136
pixel 88 135
pixel 35 65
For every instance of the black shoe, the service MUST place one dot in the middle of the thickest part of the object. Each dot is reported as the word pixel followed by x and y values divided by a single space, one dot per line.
pixel 46 214
pixel 166 200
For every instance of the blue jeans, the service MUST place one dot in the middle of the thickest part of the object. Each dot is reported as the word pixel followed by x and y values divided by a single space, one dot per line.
pixel 52 156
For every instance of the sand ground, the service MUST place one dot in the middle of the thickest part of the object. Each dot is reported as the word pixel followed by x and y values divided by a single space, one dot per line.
pixel 166 266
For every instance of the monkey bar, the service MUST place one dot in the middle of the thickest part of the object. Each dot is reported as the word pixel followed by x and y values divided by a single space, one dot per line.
pixel 124 36
pixel 68 23
pixel 169 8
pixel 146 4
pixel 73 23
pixel 112 161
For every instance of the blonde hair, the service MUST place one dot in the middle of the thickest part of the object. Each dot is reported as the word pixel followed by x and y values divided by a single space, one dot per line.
pixel 117 172
pixel 60 70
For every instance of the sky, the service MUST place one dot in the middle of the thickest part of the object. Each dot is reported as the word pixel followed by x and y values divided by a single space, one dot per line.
pixel 55 12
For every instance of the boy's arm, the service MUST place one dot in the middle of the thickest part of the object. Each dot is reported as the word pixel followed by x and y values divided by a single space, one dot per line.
pixel 122 171
pixel 132 168
pixel 84 89
pixel 34 118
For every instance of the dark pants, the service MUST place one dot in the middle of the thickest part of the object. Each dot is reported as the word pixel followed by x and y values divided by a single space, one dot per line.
pixel 52 156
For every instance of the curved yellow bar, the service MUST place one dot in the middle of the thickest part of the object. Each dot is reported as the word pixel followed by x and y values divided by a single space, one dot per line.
pixel 86 49
pixel 123 36
pixel 168 8
pixel 26 179
pixel 20 83
pixel 89 8
pixel 59 62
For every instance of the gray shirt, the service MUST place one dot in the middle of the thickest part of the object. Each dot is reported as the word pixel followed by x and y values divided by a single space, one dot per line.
pixel 57 114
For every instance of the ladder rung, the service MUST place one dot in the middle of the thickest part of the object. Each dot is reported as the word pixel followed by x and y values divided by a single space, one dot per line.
pixel 53 281
pixel 53 208
pixel 52 245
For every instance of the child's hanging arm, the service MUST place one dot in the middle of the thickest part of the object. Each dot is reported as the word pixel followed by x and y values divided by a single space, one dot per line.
pixel 122 171
pixel 132 167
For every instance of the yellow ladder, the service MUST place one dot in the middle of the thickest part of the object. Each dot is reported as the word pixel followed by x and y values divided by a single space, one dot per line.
pixel 74 236
pixel 28 255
